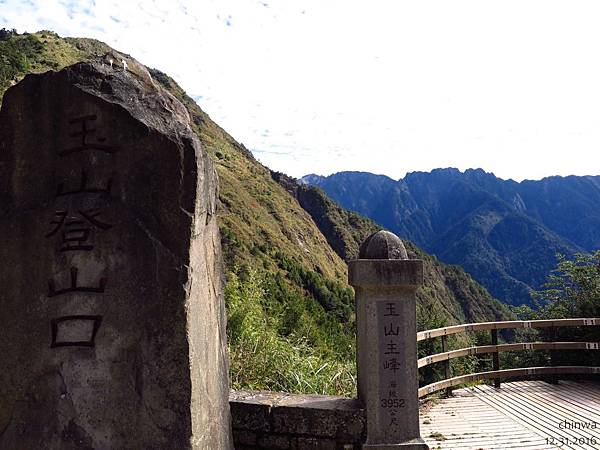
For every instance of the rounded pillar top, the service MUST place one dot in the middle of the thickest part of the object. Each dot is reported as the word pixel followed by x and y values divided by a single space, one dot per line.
pixel 382 245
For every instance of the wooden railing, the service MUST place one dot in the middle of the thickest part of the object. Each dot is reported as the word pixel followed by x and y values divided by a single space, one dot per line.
pixel 496 374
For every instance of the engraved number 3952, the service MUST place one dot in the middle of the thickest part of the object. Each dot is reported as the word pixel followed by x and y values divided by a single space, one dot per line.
pixel 392 403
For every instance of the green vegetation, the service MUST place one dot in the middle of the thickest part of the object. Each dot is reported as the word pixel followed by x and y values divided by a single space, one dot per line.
pixel 16 56
pixel 572 291
pixel 291 315
pixel 343 229
pixel 276 340
pixel 21 54
pixel 448 293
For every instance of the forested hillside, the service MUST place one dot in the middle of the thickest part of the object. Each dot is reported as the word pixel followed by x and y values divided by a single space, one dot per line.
pixel 290 311
pixel 506 234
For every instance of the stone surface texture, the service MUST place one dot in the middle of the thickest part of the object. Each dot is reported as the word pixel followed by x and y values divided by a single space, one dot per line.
pixel 382 245
pixel 274 420
pixel 111 308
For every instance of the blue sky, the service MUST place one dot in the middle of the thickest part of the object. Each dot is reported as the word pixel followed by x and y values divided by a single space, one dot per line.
pixel 320 86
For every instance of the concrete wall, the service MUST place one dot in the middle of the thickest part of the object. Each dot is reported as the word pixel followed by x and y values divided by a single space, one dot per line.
pixel 279 421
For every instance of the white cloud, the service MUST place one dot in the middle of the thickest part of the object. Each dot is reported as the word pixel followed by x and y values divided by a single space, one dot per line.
pixel 382 86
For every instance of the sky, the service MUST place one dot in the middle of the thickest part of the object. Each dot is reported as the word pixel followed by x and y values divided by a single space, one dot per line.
pixel 384 86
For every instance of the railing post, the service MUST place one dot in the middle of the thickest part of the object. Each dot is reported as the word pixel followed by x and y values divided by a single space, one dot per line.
pixel 385 282
pixel 553 379
pixel 447 372
pixel 495 357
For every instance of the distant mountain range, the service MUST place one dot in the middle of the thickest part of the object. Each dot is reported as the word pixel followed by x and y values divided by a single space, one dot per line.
pixel 506 234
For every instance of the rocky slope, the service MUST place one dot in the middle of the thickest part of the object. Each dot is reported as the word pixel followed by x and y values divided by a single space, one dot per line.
pixel 284 246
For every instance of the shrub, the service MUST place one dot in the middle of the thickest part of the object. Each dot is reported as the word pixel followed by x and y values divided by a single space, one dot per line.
pixel 271 346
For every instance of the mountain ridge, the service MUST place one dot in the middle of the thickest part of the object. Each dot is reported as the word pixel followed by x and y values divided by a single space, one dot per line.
pixel 305 179
pixel 470 218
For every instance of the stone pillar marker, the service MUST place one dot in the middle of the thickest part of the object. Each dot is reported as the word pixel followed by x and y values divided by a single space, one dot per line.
pixel 112 320
pixel 385 282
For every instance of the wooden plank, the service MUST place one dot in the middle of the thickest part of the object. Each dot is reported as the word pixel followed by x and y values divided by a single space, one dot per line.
pixel 469 423
pixel 559 413
pixel 521 415
pixel 503 325
pixel 592 395
pixel 532 414
pixel 588 388
pixel 486 349
pixel 582 403
pixel 506 373
pixel 555 408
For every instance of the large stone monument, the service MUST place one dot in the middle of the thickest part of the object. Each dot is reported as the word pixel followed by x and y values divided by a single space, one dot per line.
pixel 385 282
pixel 112 323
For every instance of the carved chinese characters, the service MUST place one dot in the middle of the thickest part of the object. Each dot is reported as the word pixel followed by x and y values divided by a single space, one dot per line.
pixel 113 326
pixel 87 136
pixel 73 227
pixel 75 331
pixel 392 362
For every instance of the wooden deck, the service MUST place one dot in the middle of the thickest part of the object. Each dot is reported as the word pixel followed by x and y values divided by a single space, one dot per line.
pixel 520 415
